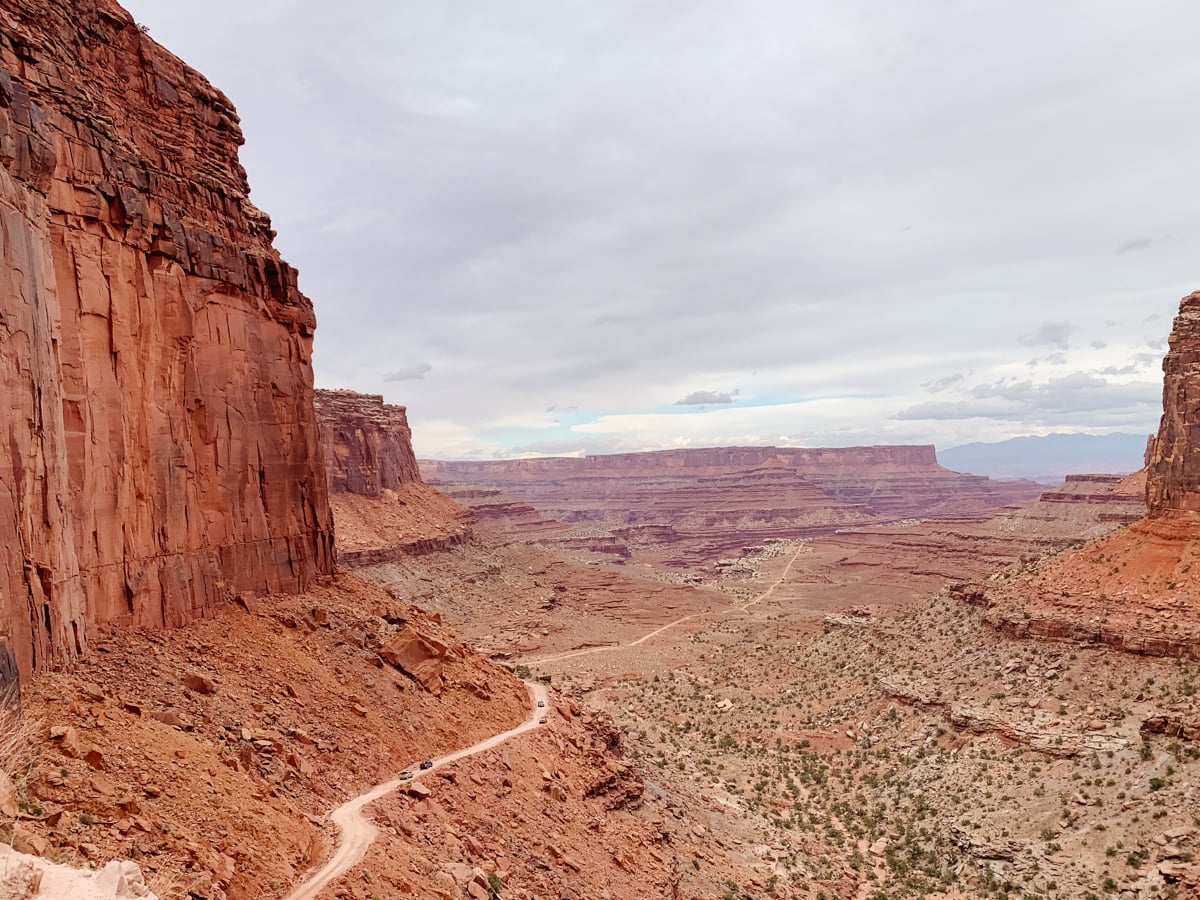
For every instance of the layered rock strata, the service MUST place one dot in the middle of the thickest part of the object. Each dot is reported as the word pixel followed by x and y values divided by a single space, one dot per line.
pixel 159 446
pixel 367 443
pixel 1173 482
pixel 382 508
pixel 687 506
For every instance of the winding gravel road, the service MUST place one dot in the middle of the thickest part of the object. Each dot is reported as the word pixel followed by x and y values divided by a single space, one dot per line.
pixel 607 648
pixel 356 831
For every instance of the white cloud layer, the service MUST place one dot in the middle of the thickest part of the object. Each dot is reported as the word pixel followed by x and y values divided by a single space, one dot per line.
pixel 863 219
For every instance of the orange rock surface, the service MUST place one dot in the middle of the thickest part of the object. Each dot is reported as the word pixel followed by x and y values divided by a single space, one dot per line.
pixel 159 442
pixel 367 443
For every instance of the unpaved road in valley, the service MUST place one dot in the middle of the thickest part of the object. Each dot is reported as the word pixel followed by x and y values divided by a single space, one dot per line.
pixel 357 833
pixel 571 654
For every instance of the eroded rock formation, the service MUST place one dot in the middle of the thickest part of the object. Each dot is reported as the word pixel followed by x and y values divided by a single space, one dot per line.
pixel 367 443
pixel 1173 482
pixel 382 508
pixel 1137 589
pixel 158 446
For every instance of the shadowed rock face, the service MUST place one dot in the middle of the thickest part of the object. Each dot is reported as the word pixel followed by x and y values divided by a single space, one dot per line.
pixel 367 443
pixel 1173 482
pixel 158 446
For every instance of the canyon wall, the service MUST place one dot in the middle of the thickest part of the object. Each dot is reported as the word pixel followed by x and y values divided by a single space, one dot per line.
pixel 1173 476
pixel 367 443
pixel 692 506
pixel 704 460
pixel 382 508
pixel 158 445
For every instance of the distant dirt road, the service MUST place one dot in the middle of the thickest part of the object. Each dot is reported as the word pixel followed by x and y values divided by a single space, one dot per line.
pixel 571 654
pixel 356 831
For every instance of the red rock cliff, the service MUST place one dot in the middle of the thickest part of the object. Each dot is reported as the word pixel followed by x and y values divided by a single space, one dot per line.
pixel 1173 474
pixel 367 443
pixel 158 445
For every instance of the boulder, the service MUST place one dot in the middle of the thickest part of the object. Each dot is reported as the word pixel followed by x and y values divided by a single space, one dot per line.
pixel 199 683
pixel 419 656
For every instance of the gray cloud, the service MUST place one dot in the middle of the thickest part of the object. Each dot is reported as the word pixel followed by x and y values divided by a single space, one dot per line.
pixel 1135 245
pixel 1139 362
pixel 413 372
pixel 705 398
pixel 938 385
pixel 1076 398
pixel 576 199
pixel 1056 334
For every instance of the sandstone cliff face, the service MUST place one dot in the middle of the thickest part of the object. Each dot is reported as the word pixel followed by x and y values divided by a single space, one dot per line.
pixel 158 446
pixel 1173 481
pixel 367 443
pixel 382 508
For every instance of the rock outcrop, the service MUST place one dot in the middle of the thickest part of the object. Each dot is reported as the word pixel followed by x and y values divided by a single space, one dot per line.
pixel 1137 589
pixel 367 443
pixel 1173 481
pixel 159 443
pixel 382 508
pixel 419 656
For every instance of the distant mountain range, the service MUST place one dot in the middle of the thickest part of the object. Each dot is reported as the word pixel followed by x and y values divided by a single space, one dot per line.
pixel 1049 458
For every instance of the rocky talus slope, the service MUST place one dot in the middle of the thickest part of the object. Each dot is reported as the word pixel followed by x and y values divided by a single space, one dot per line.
pixel 382 508
pixel 160 448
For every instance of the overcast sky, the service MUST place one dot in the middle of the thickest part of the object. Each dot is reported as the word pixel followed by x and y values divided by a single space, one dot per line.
pixel 561 226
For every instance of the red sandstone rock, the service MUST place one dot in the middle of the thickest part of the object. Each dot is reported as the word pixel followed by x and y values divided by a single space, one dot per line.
pixel 1173 483
pixel 419 656
pixel 382 508
pixel 367 443
pixel 159 446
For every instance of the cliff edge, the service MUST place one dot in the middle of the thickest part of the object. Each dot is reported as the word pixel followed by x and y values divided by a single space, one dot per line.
pixel 382 507
pixel 1137 589
pixel 158 445
pixel 1173 476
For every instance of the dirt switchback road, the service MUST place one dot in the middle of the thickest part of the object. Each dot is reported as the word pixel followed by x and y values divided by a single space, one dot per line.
pixel 356 831
pixel 608 648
